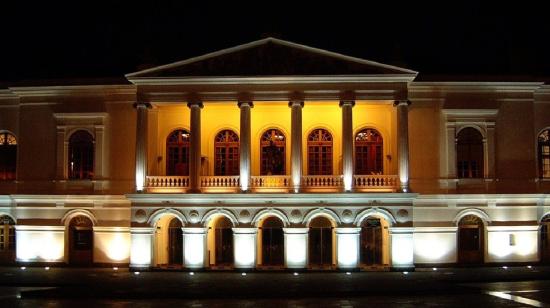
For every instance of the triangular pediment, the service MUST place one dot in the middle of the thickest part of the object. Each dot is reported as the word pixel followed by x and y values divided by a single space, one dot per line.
pixel 270 57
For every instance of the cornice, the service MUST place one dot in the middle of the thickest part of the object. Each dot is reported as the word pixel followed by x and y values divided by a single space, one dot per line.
pixel 86 90
pixel 490 87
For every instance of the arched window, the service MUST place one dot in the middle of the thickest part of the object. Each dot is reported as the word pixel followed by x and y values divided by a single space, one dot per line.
pixel 81 156
pixel 8 156
pixel 368 152
pixel 319 152
pixel 544 153
pixel 272 153
pixel 177 153
pixel 226 151
pixel 7 235
pixel 469 153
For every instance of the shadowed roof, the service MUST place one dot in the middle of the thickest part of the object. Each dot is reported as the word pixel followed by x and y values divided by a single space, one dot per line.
pixel 270 57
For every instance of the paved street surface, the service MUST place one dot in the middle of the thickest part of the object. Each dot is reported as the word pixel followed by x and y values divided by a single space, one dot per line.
pixel 450 287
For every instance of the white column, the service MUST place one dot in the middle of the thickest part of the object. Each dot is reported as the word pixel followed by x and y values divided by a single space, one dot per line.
pixel 195 146
pixel 296 144
pixel 296 241
pixel 141 246
pixel 194 247
pixel 141 145
pixel 40 243
pixel 402 248
pixel 347 247
pixel 244 245
pixel 403 143
pixel 244 146
pixel 347 143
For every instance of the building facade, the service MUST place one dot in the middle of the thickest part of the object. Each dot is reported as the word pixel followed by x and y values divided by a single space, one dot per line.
pixel 275 155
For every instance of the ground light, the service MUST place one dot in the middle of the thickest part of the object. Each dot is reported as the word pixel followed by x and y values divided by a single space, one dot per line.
pixel 348 273
pixel 47 268
pixel 296 274
pixel 405 273
pixel 115 268
pixel 243 274
pixel 191 273
pixel 136 273
pixel 434 269
pixel 505 267
pixel 529 266
pixel 23 268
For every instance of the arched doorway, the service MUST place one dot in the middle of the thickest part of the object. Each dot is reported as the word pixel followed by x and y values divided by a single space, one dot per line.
pixel 545 239
pixel 220 241
pixel 272 159
pixel 81 241
pixel 320 240
pixel 177 152
pixel 7 240
pixel 272 242
pixel 168 242
pixel 374 250
pixel 471 240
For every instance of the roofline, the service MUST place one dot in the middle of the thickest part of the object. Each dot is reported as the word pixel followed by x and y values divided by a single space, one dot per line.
pixel 273 79
pixel 459 86
pixel 260 42
pixel 96 90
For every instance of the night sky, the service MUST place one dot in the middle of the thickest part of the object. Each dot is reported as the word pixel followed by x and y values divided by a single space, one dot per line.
pixel 443 42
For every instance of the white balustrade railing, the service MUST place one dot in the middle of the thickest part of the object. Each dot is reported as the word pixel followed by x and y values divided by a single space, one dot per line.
pixel 270 181
pixel 321 181
pixel 376 181
pixel 175 181
pixel 220 181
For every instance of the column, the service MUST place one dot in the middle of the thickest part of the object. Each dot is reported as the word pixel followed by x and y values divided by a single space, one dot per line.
pixel 141 145
pixel 402 248
pixel 194 247
pixel 403 143
pixel 195 147
pixel 347 143
pixel 296 144
pixel 141 246
pixel 244 147
pixel 244 245
pixel 347 247
pixel 296 241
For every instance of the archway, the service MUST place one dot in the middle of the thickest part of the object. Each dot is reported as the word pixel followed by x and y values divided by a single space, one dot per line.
pixel 271 236
pixel 81 241
pixel 220 241
pixel 168 242
pixel 320 241
pixel 7 240
pixel 471 240
pixel 374 250
pixel 545 239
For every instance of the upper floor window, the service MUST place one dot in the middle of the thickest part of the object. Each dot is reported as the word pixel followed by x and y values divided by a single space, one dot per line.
pixel 319 152
pixel 177 153
pixel 81 156
pixel 469 153
pixel 272 153
pixel 368 152
pixel 544 153
pixel 8 156
pixel 226 153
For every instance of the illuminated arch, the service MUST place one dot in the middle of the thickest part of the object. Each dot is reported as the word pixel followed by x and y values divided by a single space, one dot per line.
pixel 322 212
pixel 78 212
pixel 212 213
pixel 374 212
pixel 270 212
pixel 544 216
pixel 10 216
pixel 476 212
pixel 158 214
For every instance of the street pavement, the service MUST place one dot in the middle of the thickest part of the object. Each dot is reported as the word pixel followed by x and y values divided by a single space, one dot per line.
pixel 444 287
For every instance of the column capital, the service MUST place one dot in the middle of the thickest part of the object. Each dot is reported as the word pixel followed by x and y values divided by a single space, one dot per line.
pixel 401 103
pixel 142 105
pixel 245 103
pixel 193 103
pixel 296 103
pixel 347 102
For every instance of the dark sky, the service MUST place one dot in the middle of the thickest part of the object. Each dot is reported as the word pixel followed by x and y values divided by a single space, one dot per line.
pixel 46 40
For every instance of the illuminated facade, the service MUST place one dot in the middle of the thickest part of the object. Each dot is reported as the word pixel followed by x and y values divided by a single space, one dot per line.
pixel 274 155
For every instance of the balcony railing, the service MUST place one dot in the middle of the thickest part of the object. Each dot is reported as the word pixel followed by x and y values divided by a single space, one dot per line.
pixel 274 183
